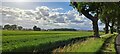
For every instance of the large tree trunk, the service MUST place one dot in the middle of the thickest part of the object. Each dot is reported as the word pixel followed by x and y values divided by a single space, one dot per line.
pixel 106 26
pixel 111 27
pixel 95 28
pixel 94 20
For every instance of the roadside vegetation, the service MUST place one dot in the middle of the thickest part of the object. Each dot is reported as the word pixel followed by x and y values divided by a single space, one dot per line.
pixel 91 45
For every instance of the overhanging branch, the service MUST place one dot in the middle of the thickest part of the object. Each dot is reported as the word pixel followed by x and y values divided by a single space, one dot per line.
pixel 89 16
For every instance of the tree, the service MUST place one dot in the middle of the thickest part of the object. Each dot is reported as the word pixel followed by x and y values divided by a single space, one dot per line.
pixel 38 29
pixel 35 28
pixel 7 27
pixel 91 11
pixel 13 27
pixel 108 11
pixel 108 15
pixel 63 29
pixel 105 19
pixel 20 27
pixel 114 15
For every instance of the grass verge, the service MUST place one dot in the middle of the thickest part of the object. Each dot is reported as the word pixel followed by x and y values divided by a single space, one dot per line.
pixel 91 45
pixel 109 45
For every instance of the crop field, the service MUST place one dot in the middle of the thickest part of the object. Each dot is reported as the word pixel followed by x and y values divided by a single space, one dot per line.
pixel 51 41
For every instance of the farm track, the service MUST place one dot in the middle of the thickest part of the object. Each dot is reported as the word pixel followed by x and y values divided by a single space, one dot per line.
pixel 107 43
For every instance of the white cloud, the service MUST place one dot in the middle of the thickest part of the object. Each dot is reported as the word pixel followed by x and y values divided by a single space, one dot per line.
pixel 57 9
pixel 45 17
pixel 42 8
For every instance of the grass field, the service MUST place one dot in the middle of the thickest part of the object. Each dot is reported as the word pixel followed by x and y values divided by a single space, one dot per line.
pixel 29 40
pixel 40 41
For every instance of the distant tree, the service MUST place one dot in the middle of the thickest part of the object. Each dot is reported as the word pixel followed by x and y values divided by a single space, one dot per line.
pixel 7 27
pixel 29 29
pixel 38 29
pixel 20 27
pixel 63 29
pixel 13 27
pixel 35 28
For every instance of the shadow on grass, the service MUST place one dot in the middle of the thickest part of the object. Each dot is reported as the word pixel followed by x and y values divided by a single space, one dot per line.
pixel 105 45
pixel 48 47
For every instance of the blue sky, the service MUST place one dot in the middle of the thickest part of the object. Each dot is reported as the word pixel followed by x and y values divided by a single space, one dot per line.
pixel 46 15
pixel 33 5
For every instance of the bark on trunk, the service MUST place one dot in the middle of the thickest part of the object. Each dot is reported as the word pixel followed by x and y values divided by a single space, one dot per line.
pixel 106 28
pixel 95 28
pixel 93 19
pixel 106 25
pixel 111 29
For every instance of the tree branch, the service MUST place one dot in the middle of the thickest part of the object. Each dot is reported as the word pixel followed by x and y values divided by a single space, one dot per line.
pixel 89 16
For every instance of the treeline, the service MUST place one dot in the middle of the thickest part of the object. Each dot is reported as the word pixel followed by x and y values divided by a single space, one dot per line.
pixel 35 28
pixel 62 29
pixel 16 27
pixel 11 27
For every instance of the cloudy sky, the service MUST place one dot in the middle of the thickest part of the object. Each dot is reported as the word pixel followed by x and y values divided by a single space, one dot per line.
pixel 46 15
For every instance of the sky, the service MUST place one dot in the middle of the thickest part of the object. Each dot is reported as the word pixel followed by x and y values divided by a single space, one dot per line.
pixel 46 15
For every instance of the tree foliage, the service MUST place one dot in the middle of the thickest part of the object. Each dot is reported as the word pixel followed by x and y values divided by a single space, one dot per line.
pixel 91 10
pixel 107 12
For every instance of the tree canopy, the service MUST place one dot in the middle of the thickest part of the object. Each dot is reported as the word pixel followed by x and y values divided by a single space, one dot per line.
pixel 107 12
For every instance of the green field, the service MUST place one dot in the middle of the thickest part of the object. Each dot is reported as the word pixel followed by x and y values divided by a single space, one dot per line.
pixel 47 41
